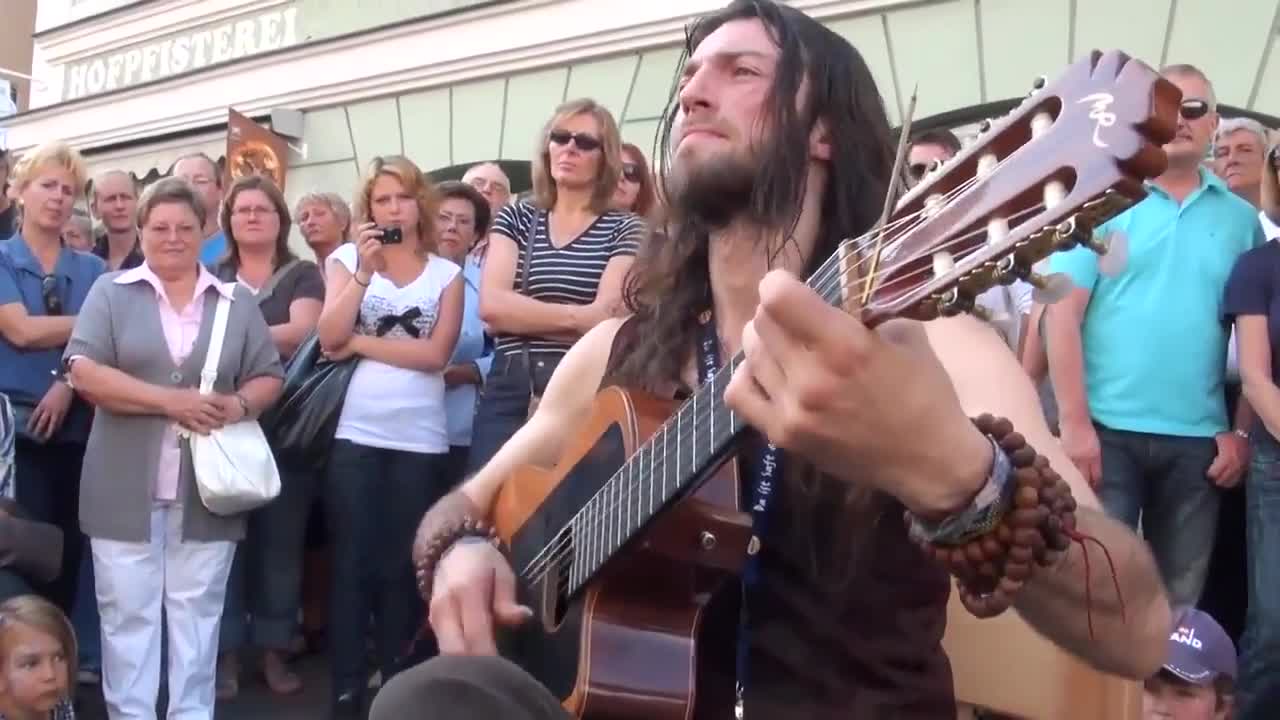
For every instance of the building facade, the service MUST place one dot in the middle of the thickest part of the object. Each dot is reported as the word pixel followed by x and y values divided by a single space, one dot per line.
pixel 451 82
pixel 15 57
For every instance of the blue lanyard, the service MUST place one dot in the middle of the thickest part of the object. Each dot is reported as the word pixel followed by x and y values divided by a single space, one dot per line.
pixel 766 469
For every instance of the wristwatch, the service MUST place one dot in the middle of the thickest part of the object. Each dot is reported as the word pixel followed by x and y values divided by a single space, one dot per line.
pixel 244 404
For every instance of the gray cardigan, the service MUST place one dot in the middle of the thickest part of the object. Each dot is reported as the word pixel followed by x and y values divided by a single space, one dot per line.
pixel 119 326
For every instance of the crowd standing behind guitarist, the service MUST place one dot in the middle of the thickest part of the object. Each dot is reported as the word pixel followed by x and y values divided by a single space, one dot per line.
pixel 727 211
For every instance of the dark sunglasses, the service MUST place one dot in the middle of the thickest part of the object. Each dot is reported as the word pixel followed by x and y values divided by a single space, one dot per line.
pixel 917 170
pixel 585 142
pixel 1193 109
pixel 49 293
pixel 631 172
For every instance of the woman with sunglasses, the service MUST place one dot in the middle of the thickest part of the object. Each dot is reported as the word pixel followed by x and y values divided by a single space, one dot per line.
pixel 42 286
pixel 635 185
pixel 554 268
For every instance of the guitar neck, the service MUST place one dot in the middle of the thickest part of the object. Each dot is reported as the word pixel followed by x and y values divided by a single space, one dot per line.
pixel 675 459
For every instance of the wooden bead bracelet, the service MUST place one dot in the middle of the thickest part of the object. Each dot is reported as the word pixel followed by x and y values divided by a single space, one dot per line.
pixel 442 541
pixel 1035 530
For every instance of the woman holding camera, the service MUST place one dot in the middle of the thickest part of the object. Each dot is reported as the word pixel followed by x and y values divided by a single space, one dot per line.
pixel 395 304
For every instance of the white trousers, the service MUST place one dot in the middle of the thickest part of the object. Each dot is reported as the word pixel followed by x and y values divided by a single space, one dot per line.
pixel 134 581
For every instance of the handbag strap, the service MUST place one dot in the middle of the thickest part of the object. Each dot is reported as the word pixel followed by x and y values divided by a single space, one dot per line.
pixel 526 264
pixel 270 287
pixel 211 357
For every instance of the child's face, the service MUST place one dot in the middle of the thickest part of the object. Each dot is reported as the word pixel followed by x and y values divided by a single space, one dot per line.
pixel 1163 699
pixel 33 669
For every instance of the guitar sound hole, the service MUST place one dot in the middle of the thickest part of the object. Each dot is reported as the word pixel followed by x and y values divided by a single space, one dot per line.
pixel 555 592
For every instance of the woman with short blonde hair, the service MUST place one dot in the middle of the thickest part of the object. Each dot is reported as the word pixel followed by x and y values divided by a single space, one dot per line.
pixel 554 267
pixel 42 286
pixel 395 306
pixel 324 219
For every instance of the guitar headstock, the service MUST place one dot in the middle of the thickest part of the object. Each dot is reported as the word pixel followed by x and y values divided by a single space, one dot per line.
pixel 1074 153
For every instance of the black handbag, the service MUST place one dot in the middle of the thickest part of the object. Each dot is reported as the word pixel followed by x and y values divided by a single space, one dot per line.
pixel 301 424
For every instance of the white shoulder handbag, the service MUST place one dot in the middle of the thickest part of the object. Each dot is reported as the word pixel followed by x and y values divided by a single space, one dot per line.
pixel 235 470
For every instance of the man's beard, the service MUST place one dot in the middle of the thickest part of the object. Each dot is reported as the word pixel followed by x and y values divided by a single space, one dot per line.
pixel 713 191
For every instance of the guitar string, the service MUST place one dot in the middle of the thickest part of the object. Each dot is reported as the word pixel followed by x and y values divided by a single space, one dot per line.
pixel 610 487
pixel 821 277
pixel 831 268
pixel 606 488
pixel 627 491
pixel 832 265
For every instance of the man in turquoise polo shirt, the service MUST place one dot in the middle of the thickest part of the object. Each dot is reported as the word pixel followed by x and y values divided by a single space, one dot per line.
pixel 1138 356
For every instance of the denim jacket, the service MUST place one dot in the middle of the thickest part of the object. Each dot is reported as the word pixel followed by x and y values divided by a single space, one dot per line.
pixel 460 401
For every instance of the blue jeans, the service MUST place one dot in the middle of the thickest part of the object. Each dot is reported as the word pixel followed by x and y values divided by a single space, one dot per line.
pixel 375 499
pixel 48 479
pixel 1259 687
pixel 1159 480
pixel 265 585
pixel 504 403
pixel 84 618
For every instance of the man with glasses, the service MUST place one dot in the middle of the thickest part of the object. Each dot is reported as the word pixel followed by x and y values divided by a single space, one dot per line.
pixel 202 172
pixel 1138 349
pixel 492 183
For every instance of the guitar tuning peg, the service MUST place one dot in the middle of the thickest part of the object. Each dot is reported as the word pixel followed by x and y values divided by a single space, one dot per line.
pixel 1049 289
pixel 984 126
pixel 1115 256
pixel 1039 83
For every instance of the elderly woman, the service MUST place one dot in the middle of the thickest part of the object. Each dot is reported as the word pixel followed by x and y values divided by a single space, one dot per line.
pixel 554 267
pixel 42 286
pixel 463 219
pixel 325 222
pixel 391 301
pixel 266 578
pixel 137 352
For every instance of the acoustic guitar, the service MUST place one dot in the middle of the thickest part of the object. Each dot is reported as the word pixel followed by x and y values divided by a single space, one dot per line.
pixel 626 545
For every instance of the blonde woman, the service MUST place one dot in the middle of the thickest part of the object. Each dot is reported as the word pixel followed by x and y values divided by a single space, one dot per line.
pixel 396 305
pixel 578 251
pixel 42 286
pixel 324 219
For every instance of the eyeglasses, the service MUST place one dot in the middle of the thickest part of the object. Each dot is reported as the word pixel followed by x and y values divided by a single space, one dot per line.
pixel 482 184
pixel 463 221
pixel 631 172
pixel 49 294
pixel 585 142
pixel 251 210
pixel 1193 109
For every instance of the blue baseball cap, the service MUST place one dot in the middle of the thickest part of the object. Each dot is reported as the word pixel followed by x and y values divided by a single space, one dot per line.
pixel 1200 651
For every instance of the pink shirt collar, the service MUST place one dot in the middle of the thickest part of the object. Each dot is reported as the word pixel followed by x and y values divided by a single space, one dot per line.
pixel 204 281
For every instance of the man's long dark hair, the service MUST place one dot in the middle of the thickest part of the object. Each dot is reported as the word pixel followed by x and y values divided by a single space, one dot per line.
pixel 669 284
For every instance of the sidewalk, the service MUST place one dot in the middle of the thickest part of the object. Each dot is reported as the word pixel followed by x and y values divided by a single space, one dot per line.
pixel 255 701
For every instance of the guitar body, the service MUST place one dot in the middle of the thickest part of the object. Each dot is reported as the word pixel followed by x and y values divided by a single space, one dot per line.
pixel 630 645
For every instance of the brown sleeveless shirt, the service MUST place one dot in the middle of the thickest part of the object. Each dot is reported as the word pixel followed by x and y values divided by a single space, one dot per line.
pixel 866 646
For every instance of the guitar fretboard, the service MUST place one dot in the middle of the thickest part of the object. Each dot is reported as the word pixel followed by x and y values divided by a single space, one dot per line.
pixel 691 442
